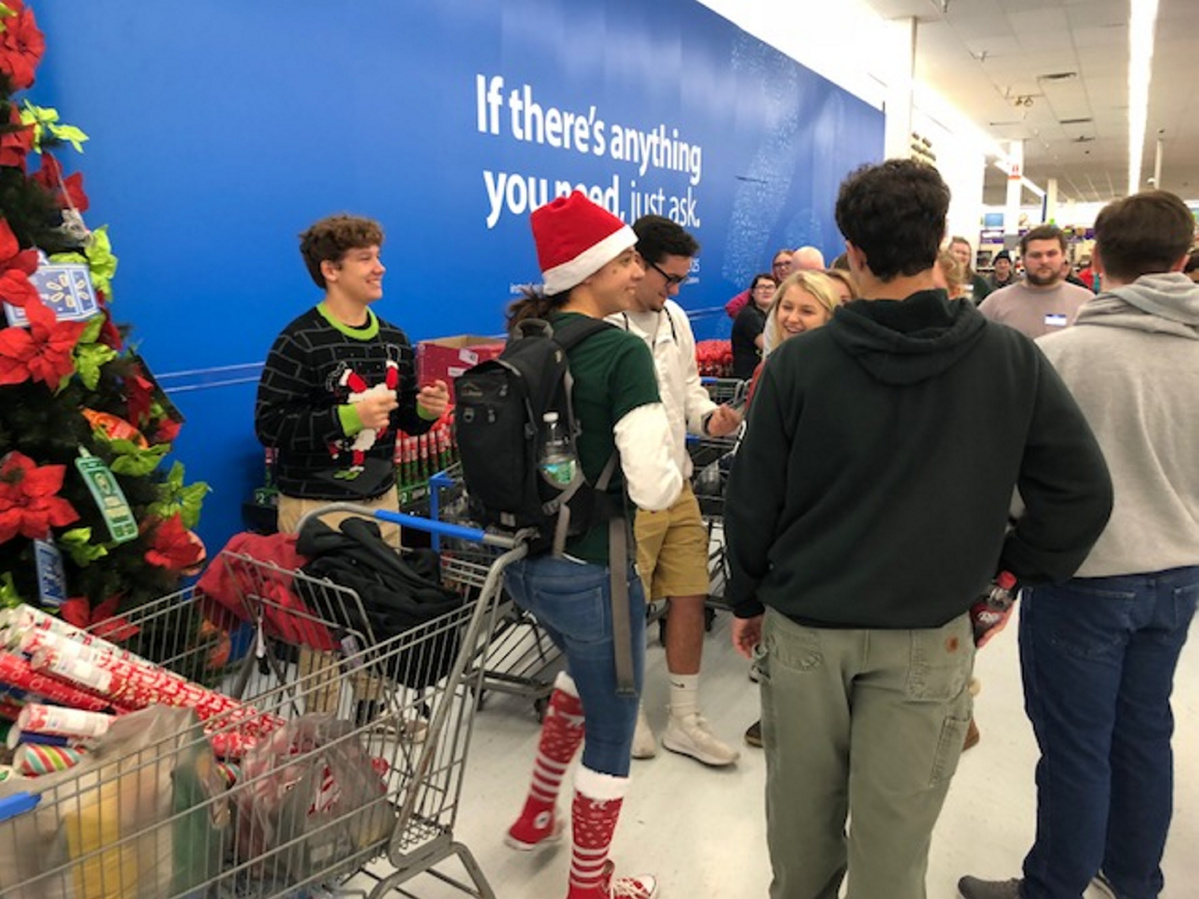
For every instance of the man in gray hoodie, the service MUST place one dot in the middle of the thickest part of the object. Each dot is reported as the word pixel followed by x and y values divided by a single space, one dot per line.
pixel 1099 652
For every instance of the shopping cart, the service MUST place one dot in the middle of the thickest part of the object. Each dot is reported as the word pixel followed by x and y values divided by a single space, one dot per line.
pixel 343 802
pixel 520 660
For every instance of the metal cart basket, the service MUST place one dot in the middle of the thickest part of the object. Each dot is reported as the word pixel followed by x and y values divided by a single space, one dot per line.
pixel 356 800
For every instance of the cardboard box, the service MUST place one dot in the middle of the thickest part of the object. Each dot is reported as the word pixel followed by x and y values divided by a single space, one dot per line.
pixel 448 357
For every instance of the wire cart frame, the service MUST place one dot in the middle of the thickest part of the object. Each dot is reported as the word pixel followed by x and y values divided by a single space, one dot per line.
pixel 520 660
pixel 342 801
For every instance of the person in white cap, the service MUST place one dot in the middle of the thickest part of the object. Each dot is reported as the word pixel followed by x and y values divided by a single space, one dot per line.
pixel 590 268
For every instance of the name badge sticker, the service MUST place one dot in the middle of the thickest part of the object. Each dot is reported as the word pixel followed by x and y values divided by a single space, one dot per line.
pixel 1055 320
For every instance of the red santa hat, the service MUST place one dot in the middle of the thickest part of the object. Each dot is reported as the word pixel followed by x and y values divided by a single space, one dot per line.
pixel 576 238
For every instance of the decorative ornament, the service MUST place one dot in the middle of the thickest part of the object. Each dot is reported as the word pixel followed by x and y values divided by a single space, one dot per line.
pixel 114 427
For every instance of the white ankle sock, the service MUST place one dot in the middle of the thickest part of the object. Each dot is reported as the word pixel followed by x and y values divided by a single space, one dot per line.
pixel 684 694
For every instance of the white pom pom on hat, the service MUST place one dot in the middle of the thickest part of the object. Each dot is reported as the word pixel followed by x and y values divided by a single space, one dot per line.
pixel 575 238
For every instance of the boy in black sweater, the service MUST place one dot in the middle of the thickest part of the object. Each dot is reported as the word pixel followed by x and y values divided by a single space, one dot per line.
pixel 866 512
pixel 339 381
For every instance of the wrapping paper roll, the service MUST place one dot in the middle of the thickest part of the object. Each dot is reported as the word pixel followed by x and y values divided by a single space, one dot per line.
pixel 17 622
pixel 31 759
pixel 17 671
pixel 52 719
pixel 136 684
pixel 17 736
pixel 229 744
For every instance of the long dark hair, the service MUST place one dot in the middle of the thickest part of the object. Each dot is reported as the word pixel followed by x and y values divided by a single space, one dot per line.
pixel 534 302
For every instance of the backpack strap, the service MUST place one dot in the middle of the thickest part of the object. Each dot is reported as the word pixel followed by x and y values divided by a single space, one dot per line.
pixel 575 330
pixel 568 336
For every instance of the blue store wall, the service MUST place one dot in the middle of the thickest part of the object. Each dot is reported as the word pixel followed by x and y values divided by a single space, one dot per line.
pixel 220 130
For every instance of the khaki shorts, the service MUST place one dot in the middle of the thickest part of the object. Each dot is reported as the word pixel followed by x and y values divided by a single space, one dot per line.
pixel 292 508
pixel 672 549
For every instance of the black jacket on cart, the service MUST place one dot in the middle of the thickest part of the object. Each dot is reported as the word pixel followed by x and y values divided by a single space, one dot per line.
pixel 398 593
pixel 874 484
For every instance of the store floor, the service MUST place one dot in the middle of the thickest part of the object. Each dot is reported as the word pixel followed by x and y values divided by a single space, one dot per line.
pixel 702 831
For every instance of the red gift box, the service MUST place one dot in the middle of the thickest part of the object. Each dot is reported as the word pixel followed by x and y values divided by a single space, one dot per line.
pixel 448 357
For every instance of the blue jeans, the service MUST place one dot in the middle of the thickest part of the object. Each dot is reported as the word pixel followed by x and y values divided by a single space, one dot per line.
pixel 572 601
pixel 1098 657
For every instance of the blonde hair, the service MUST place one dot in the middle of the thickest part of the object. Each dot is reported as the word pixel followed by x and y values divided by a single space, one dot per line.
pixel 818 284
pixel 954 272
pixel 846 278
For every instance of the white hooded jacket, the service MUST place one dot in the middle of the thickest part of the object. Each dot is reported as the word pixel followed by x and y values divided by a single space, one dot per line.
pixel 671 342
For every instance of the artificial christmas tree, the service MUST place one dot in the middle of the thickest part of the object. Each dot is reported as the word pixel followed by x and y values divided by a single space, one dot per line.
pixel 89 523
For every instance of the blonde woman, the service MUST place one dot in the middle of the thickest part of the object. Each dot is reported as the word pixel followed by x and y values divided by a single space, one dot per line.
pixel 950 275
pixel 804 301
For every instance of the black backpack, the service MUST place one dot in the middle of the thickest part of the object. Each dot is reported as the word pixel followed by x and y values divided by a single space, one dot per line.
pixel 398 593
pixel 498 419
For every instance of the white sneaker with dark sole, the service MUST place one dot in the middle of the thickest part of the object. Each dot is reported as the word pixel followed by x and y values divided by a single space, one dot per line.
pixel 691 736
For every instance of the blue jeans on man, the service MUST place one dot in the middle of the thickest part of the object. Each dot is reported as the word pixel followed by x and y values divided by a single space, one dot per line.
pixel 1098 657
pixel 572 602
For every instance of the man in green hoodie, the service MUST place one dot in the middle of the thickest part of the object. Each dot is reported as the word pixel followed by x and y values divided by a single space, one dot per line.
pixel 1098 653
pixel 866 512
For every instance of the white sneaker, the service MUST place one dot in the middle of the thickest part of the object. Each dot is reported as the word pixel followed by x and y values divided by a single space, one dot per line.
pixel 645 744
pixel 691 736
pixel 642 886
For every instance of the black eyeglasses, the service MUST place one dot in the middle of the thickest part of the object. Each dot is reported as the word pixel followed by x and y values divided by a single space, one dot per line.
pixel 671 280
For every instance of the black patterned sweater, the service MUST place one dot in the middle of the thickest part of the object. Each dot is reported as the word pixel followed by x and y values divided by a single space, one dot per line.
pixel 315 370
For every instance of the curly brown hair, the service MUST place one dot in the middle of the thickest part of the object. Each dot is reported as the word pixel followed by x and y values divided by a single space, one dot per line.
pixel 331 238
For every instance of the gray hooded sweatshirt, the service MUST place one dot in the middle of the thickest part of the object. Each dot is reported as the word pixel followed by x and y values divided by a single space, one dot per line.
pixel 1132 362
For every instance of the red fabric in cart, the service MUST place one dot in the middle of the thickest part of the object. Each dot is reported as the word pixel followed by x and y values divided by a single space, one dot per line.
pixel 223 586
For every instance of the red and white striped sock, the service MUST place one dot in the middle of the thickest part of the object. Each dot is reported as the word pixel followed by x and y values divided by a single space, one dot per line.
pixel 561 734
pixel 596 809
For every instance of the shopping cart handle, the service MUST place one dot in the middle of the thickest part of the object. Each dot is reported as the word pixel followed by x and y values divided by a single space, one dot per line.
pixel 444 528
pixel 18 804
pixel 439 528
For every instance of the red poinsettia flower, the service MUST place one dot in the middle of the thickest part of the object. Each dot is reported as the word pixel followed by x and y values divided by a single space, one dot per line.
pixel 110 334
pixel 11 254
pixel 21 45
pixel 101 620
pixel 15 145
pixel 16 265
pixel 175 547
pixel 66 191
pixel 40 353
pixel 139 393
pixel 28 502
pixel 168 430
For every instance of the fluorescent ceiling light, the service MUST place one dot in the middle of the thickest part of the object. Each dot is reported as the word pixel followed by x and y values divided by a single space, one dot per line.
pixel 1141 26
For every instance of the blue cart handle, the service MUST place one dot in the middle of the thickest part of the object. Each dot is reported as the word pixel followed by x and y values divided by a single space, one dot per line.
pixel 437 528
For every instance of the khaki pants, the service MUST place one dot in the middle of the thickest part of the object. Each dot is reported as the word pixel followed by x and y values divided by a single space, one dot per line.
pixel 864 725
pixel 321 670
pixel 292 508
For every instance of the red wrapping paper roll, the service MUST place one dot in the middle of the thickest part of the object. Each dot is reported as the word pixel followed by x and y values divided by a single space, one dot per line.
pixel 137 684
pixel 18 672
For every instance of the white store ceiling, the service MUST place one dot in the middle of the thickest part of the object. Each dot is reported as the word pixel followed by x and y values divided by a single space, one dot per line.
pixel 1054 73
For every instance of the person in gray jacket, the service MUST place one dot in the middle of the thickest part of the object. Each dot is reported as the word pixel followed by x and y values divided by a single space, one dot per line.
pixel 1098 653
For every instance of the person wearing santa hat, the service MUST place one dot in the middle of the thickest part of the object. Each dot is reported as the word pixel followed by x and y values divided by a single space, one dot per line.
pixel 591 268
